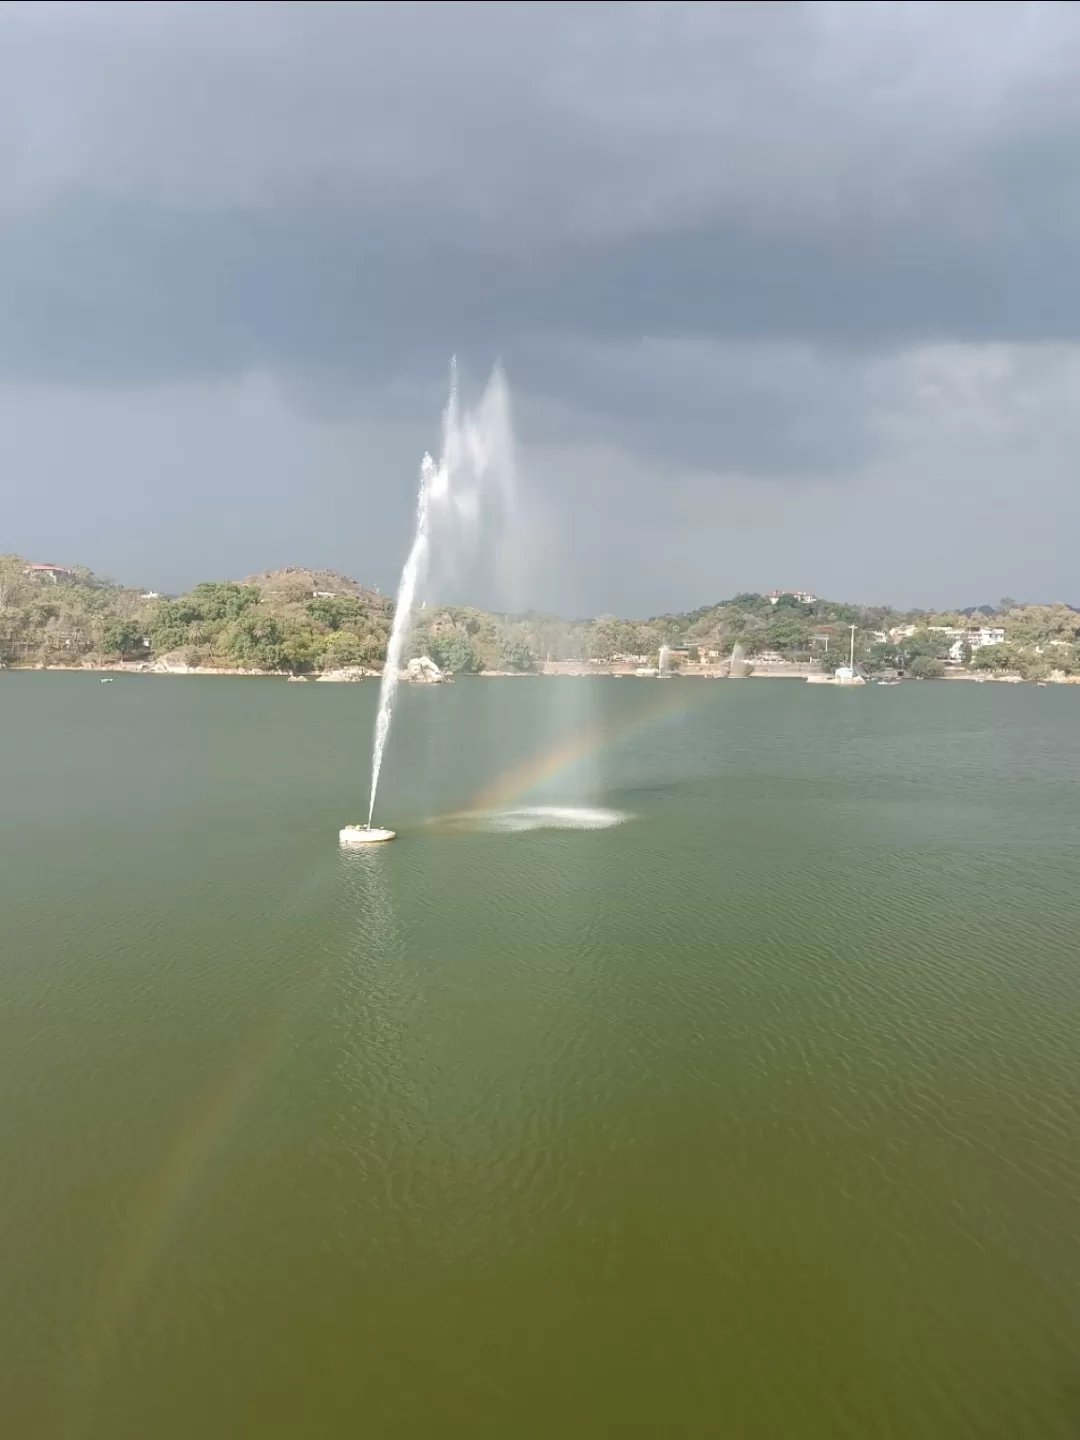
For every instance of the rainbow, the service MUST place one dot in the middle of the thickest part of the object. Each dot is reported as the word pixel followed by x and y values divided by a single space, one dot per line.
pixel 515 784
pixel 171 1185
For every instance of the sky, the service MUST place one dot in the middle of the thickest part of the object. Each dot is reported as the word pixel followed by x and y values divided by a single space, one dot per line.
pixel 785 294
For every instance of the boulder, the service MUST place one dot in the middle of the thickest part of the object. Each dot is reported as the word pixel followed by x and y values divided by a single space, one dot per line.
pixel 424 671
pixel 348 674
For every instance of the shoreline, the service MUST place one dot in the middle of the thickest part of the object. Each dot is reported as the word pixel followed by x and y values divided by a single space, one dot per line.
pixel 572 671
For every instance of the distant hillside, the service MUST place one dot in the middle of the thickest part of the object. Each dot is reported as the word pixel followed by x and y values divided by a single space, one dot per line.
pixel 290 619
pixel 295 583
pixel 308 620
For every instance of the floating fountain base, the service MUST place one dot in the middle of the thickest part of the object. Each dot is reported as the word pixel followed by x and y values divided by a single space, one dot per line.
pixel 364 835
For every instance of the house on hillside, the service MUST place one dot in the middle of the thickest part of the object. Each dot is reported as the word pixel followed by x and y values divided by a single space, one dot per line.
pixel 975 640
pixel 803 596
pixel 55 573
pixel 986 635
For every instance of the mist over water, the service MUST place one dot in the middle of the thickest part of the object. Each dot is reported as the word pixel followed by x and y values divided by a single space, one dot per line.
pixel 471 483
pixel 524 818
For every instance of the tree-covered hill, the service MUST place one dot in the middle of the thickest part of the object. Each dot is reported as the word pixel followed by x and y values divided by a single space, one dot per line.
pixel 296 619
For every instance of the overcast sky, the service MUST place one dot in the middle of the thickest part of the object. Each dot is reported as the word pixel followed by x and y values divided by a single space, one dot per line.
pixel 786 294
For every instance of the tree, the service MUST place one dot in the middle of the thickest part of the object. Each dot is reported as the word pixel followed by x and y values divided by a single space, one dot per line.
pixel 516 655
pixel 340 649
pixel 924 644
pixel 301 647
pixel 1042 625
pixel 222 599
pixel 1064 658
pixel 121 637
pixel 15 588
pixel 790 602
pixel 453 652
pixel 169 623
pixel 880 657
pixel 164 638
pixel 1035 667
pixel 994 657
pixel 787 630
pixel 926 667
pixel 608 639
pixel 336 611
pixel 255 640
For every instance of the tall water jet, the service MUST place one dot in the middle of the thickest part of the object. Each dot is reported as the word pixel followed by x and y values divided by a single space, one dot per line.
pixel 737 665
pixel 415 566
pixel 477 449
pixel 664 662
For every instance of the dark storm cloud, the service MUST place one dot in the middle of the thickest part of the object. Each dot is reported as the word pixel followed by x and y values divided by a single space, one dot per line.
pixel 107 292
pixel 815 172
pixel 704 232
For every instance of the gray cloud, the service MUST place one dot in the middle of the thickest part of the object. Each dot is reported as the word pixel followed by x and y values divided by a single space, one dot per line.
pixel 718 247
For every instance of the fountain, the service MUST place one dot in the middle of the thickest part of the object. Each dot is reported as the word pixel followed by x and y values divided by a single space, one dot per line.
pixel 664 662
pixel 476 448
pixel 737 667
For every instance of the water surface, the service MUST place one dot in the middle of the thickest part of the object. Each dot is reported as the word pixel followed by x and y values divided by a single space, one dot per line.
pixel 753 1114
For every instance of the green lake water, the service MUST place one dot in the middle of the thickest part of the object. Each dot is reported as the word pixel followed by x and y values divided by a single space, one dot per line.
pixel 753 1115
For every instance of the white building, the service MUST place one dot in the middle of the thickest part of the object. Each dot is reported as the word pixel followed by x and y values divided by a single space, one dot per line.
pixel 976 639
pixel 987 635
pixel 803 596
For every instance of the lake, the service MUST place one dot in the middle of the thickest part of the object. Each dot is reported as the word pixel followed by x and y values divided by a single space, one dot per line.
pixel 700 1060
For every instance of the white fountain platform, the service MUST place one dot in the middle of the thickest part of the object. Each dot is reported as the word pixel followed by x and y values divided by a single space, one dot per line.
pixel 364 835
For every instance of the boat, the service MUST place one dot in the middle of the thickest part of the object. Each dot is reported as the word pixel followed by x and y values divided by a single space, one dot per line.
pixel 888 682
pixel 106 679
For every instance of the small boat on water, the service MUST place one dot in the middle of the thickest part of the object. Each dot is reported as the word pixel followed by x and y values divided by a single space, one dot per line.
pixel 106 679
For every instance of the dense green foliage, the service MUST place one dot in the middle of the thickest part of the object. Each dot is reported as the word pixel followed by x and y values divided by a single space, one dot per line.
pixel 289 620
pixel 301 620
